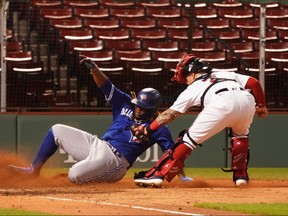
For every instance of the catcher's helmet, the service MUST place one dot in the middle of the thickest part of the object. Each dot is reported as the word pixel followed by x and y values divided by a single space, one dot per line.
pixel 147 98
pixel 189 64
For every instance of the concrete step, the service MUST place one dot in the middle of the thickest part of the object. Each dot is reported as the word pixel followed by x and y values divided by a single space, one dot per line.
pixel 42 49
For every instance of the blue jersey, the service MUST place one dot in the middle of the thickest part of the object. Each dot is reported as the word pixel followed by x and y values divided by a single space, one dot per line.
pixel 119 134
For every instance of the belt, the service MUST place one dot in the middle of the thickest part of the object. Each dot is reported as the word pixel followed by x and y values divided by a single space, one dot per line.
pixel 226 89
pixel 114 150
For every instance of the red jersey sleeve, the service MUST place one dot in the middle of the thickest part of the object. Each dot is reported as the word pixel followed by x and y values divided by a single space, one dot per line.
pixel 257 91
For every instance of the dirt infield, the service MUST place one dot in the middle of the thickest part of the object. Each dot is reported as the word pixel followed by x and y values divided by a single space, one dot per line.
pixel 56 195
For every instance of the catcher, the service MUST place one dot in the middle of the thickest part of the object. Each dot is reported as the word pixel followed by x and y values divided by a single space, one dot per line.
pixel 106 159
pixel 228 100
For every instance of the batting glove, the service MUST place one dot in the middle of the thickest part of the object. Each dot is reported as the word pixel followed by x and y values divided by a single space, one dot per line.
pixel 88 62
pixel 141 133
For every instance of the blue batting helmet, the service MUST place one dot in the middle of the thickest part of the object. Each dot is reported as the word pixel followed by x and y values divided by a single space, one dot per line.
pixel 147 98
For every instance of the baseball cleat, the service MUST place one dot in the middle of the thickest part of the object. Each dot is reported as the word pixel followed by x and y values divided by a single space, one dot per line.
pixel 241 182
pixel 153 181
pixel 29 171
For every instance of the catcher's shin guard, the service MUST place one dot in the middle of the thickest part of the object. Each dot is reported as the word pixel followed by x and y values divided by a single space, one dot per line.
pixel 171 162
pixel 239 157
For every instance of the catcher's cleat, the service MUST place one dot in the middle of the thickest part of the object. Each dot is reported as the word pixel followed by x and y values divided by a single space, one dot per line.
pixel 27 171
pixel 241 182
pixel 153 181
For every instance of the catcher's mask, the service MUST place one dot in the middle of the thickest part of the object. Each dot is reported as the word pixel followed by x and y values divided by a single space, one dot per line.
pixel 190 64
pixel 148 100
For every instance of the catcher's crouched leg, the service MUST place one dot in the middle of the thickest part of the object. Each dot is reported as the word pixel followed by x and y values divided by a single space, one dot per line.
pixel 240 159
pixel 167 167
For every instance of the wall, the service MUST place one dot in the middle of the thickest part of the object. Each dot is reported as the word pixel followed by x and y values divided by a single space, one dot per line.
pixel 23 133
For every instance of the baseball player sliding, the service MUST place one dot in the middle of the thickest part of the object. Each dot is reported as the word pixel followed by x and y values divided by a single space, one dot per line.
pixel 228 99
pixel 106 159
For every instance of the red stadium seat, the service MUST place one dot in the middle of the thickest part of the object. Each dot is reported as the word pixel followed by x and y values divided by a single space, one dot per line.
pixel 167 56
pixel 241 13
pixel 66 23
pixel 237 47
pixel 123 45
pixel 81 3
pixel 148 34
pixel 108 34
pixel 119 4
pixel 132 13
pixel 162 46
pixel 170 12
pixel 198 46
pixel 182 34
pixel 158 3
pixel 95 13
pixel 138 23
pixel 101 23
pixel 167 23
pixel 245 23
pixel 132 56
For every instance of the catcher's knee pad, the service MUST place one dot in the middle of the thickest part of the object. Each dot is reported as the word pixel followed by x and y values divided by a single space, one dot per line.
pixel 171 162
pixel 239 156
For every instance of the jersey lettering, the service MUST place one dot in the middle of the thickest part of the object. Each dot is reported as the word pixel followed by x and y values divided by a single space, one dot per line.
pixel 127 112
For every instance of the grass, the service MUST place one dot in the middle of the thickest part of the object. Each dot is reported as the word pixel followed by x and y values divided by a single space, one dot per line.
pixel 255 208
pixel 209 173
pixel 278 209
pixel 5 211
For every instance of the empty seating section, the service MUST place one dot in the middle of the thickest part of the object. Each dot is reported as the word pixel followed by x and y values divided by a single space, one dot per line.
pixel 138 43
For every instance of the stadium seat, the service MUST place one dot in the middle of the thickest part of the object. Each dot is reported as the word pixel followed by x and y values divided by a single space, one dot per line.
pixel 177 23
pixel 245 23
pixel 198 46
pixel 95 13
pixel 152 3
pixel 227 4
pixel 147 23
pixel 19 56
pixel 201 13
pixel 98 56
pixel 116 4
pixel 167 56
pixel 277 24
pixel 225 35
pixel 123 45
pixel 273 13
pixel 162 46
pixel 182 34
pixel 45 3
pixel 245 46
pixel 56 13
pixel 31 88
pixel 147 74
pixel 214 23
pixel 81 3
pixel 14 46
pixel 240 13
pixel 139 56
pixel 102 23
pixel 212 56
pixel 253 34
pixel 148 34
pixel 66 23
pixel 170 12
pixel 132 13
pixel 108 34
